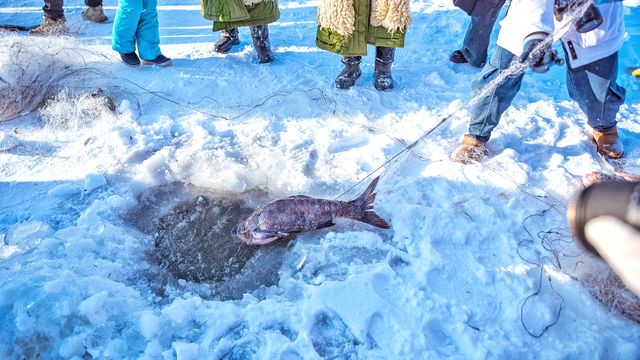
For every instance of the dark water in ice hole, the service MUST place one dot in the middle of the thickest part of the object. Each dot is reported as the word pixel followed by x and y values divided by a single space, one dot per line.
pixel 192 239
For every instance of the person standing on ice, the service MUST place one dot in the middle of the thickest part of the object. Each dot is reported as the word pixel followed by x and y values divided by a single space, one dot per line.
pixel 54 21
pixel 345 27
pixel 136 24
pixel 228 15
pixel 483 15
pixel 592 69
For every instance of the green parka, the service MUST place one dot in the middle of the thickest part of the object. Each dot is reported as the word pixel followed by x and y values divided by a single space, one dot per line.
pixel 375 22
pixel 227 14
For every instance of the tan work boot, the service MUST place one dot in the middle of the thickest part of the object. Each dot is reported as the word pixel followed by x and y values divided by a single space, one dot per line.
pixel 50 27
pixel 95 14
pixel 608 143
pixel 470 150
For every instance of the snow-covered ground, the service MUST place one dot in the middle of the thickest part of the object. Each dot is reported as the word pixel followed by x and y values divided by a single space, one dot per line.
pixel 479 261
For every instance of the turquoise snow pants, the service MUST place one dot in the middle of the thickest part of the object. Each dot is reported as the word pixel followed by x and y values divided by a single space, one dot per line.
pixel 136 22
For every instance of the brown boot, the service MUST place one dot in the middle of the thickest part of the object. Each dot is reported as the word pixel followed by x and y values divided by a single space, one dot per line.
pixel 50 27
pixel 608 143
pixel 95 14
pixel 470 150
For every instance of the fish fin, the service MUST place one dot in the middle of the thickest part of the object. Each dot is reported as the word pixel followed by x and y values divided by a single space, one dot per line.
pixel 367 198
pixel 374 219
pixel 364 203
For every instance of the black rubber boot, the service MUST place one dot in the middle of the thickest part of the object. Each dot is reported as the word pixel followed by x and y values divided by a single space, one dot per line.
pixel 351 72
pixel 260 36
pixel 382 79
pixel 228 38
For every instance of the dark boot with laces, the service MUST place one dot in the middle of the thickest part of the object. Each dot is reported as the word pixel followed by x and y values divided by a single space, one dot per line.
pixel 351 72
pixel 228 39
pixel 382 73
pixel 260 36
pixel 51 27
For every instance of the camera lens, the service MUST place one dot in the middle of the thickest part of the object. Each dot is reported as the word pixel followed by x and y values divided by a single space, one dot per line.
pixel 618 199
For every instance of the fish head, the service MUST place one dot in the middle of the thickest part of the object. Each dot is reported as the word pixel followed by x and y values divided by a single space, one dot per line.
pixel 252 235
pixel 241 232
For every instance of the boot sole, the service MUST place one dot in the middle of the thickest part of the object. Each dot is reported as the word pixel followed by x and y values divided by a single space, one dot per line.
pixel 164 64
pixel 133 66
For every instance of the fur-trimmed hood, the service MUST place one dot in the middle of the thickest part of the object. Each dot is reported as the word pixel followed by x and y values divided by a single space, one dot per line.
pixel 339 15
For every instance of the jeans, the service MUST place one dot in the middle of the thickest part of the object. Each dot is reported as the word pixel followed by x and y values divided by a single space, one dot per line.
pixel 592 86
pixel 136 23
pixel 53 8
pixel 476 40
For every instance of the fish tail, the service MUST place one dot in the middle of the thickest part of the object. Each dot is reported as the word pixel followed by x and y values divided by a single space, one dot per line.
pixel 364 207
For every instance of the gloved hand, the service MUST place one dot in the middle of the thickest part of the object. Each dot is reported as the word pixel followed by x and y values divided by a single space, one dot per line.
pixel 619 245
pixel 540 58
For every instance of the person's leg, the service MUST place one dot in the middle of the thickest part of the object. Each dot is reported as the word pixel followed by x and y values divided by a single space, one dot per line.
pixel 478 35
pixel 260 37
pixel 53 9
pixel 125 26
pixel 382 79
pixel 351 72
pixel 594 88
pixel 489 108
pixel 93 3
pixel 54 22
pixel 148 33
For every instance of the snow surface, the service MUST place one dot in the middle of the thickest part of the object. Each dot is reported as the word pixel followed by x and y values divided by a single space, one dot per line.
pixel 479 262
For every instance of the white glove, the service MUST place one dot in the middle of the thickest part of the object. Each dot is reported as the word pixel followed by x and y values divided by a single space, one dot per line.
pixel 619 245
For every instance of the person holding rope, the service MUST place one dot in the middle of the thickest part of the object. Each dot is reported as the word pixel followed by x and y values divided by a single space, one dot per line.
pixel 54 21
pixel 592 68
pixel 484 14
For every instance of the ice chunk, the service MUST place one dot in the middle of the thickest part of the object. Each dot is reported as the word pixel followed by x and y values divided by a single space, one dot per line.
pixel 72 346
pixel 8 141
pixel 185 351
pixel 149 324
pixel 92 182
pixel 95 309
pixel 152 351
pixel 28 233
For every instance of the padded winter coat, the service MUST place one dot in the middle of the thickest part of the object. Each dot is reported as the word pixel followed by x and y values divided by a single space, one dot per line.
pixel 528 16
pixel 227 14
pixel 346 27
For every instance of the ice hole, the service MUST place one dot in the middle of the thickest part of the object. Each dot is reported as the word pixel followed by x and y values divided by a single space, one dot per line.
pixel 192 240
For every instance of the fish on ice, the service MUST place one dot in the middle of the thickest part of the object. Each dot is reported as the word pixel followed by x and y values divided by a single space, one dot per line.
pixel 283 218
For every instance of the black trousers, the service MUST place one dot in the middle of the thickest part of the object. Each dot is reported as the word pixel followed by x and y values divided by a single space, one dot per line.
pixel 53 8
